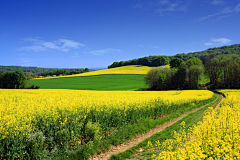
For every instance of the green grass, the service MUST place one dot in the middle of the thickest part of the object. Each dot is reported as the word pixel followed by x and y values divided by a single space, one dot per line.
pixel 205 79
pixel 127 132
pixel 190 119
pixel 101 82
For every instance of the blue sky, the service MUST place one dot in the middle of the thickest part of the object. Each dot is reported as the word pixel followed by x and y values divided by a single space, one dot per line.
pixel 96 33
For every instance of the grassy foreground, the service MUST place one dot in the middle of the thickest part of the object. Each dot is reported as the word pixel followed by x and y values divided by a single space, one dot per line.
pixel 127 132
pixel 101 82
pixel 217 136
pixel 74 124
pixel 135 153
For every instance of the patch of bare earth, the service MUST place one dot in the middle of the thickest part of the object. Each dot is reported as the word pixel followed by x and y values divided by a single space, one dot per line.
pixel 133 142
pixel 204 87
pixel 217 105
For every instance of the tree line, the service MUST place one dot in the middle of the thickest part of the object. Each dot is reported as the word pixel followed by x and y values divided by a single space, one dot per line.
pixel 181 75
pixel 147 61
pixel 163 60
pixel 13 80
pixel 33 70
pixel 223 71
pixel 64 72
pixel 18 79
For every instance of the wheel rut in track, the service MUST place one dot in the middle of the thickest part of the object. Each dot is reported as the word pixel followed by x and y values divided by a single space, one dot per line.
pixel 133 142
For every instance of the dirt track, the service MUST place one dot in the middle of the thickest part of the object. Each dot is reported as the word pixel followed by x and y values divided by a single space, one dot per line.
pixel 133 142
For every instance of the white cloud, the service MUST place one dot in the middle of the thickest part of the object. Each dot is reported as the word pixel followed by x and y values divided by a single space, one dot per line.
pixel 164 2
pixel 221 40
pixel 226 12
pixel 217 2
pixel 237 8
pixel 41 45
pixel 170 7
pixel 67 44
pixel 218 41
pixel 162 6
pixel 104 51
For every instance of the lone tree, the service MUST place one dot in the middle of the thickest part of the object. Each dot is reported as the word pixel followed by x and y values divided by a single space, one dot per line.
pixel 13 80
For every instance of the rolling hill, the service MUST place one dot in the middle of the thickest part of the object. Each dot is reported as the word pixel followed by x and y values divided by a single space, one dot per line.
pixel 120 78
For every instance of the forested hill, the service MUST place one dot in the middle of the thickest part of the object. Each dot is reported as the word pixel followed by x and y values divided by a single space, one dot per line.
pixel 34 70
pixel 163 60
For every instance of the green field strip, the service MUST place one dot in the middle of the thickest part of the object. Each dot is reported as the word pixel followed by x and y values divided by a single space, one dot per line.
pixel 100 82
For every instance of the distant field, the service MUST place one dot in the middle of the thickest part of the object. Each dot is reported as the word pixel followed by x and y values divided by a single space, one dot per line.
pixel 131 69
pixel 100 82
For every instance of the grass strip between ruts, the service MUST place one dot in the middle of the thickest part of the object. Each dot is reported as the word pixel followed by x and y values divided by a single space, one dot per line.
pixel 190 119
pixel 128 132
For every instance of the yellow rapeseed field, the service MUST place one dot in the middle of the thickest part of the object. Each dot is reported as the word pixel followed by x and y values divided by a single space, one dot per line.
pixel 216 137
pixel 60 114
pixel 131 69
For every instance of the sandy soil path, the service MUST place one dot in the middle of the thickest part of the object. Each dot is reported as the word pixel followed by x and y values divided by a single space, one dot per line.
pixel 133 142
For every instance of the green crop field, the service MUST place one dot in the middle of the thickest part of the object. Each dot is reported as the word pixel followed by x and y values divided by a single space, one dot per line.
pixel 101 82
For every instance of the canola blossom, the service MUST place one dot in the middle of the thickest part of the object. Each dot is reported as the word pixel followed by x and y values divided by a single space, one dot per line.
pixel 216 137
pixel 60 115
pixel 131 69
pixel 167 66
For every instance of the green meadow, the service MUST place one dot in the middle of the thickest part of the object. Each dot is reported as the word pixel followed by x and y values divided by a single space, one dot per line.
pixel 99 82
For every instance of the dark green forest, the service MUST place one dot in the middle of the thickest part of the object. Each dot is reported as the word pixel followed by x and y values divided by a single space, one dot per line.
pixel 31 72
pixel 183 75
pixel 222 70
pixel 13 80
pixel 34 70
pixel 163 60
pixel 64 72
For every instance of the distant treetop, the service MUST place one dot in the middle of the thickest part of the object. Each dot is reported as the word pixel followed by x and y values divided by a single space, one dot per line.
pixel 163 60
pixel 34 70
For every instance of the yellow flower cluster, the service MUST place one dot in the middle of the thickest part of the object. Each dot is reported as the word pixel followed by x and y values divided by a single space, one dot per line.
pixel 167 66
pixel 131 69
pixel 216 137
pixel 24 111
